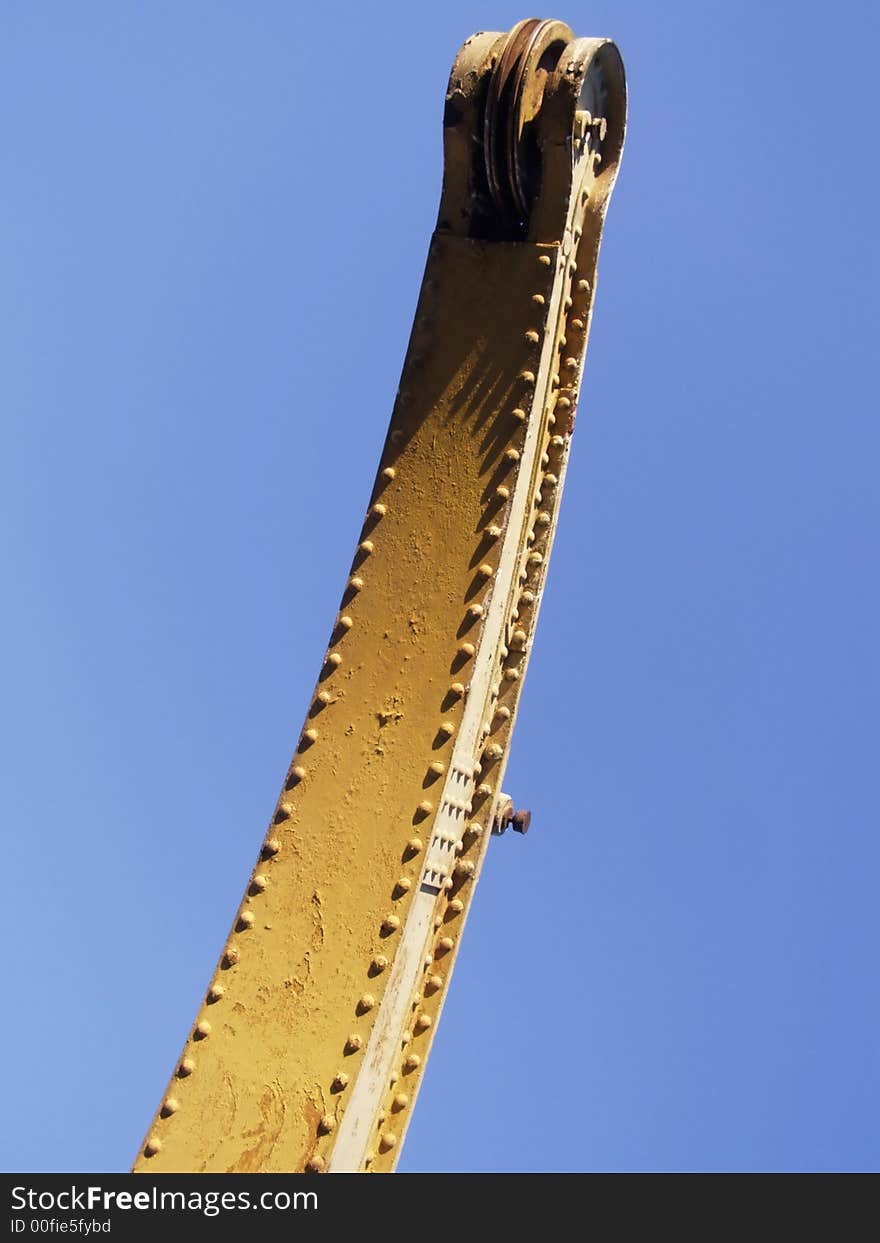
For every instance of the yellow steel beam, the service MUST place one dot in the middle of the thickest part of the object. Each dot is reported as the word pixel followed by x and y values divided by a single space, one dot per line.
pixel 308 1048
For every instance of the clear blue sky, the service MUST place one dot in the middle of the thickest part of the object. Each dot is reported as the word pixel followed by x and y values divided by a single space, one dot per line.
pixel 212 231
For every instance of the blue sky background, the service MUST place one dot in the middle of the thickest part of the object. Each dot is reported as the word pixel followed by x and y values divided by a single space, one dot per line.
pixel 212 231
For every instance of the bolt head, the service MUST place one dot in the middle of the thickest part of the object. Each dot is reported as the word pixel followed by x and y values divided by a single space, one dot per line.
pixel 520 821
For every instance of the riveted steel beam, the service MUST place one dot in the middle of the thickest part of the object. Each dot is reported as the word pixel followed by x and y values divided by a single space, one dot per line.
pixel 308 1048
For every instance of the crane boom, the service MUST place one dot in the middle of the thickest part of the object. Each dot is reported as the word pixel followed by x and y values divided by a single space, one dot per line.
pixel 309 1046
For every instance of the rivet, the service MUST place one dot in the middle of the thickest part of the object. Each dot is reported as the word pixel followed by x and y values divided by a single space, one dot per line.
pixel 484 789
pixel 511 675
pixel 519 414
pixel 485 570
pixel 423 1022
pixel 544 459
pixel 494 751
pixel 340 1083
pixel 512 455
pixel 426 807
pixel 563 403
pixel 577 324
pixel 387 1140
pixel 378 964
pixel 185 1067
pixel 245 920
pixel 355 582
pixel 538 299
pixel 390 924
pixel 446 728
pixel 544 260
pixel 502 492
pixel 170 1106
pixel 334 659
pixel 532 337
pixel 402 886
pixel 493 532
pixel 411 1062
pixel 466 649
pixel 583 286
pixel 527 377
pixel 327 1124
pixel 535 558
pixel 456 906
pixel 366 545
pixel 202 1030
pixel 271 846
pixel 433 984
pixel 365 1003
pixel 519 637
pixel 215 992
pixel 457 689
pixel 445 944
pixel 551 420
pixel 378 510
pixel 354 1043
pixel 389 472
pixel 259 882
pixel 465 867
pixel 316 1165
pixel 542 519
pixel 310 735
pixel 550 480
pixel 414 846
pixel 324 697
pixel 152 1146
pixel 558 442
pixel 346 622
pixel 401 1100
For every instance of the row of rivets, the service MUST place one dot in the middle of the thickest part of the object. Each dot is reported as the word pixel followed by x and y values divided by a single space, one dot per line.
pixel 391 923
pixel 464 869
pixel 433 985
